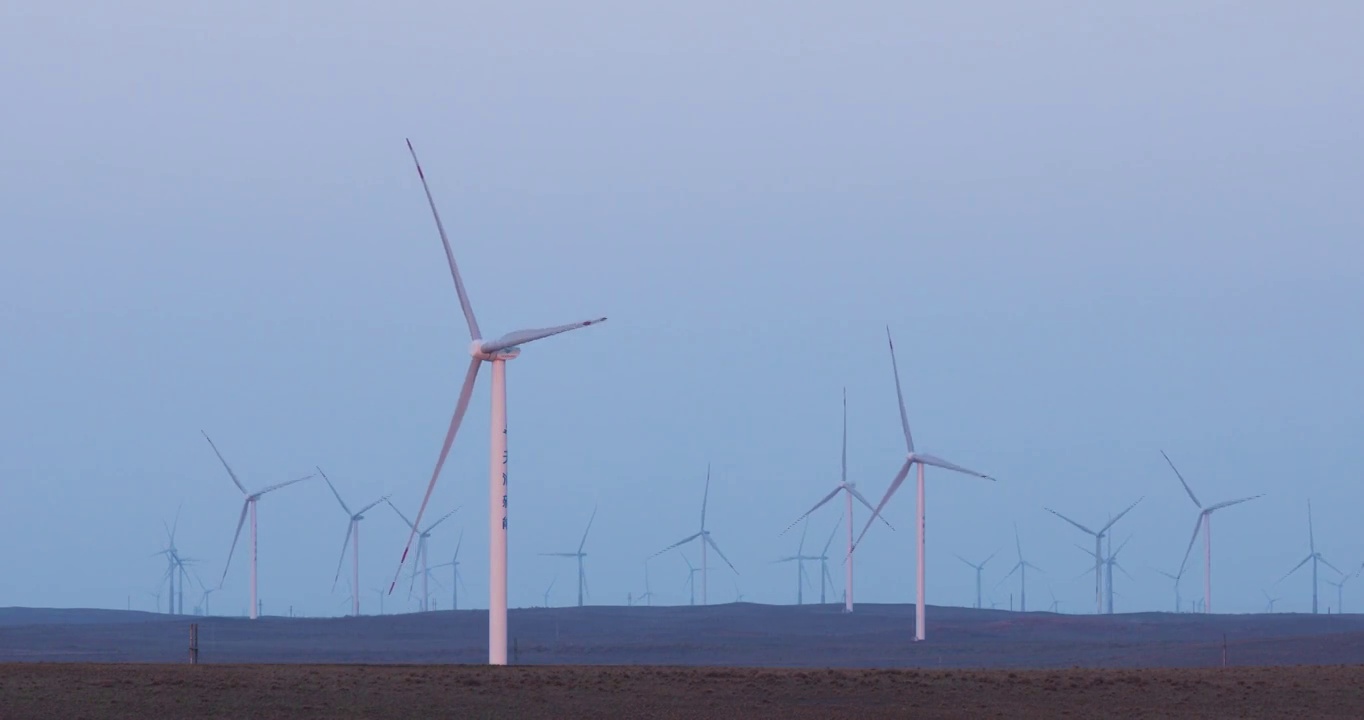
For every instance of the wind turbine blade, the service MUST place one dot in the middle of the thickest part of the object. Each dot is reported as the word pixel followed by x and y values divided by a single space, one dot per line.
pixel 1034 567
pixel 825 552
pixel 1198 525
pixel 944 464
pixel 1187 489
pixel 1010 574
pixel 1018 543
pixel 523 337
pixel 899 396
pixel 679 543
pixel 589 528
pixel 458 542
pixel 559 554
pixel 1295 569
pixel 968 562
pixel 807 513
pixel 845 436
pixel 1105 528
pixel 894 485
pixel 1072 522
pixel 350 526
pixel 868 505
pixel 460 407
pixel 286 483
pixel 400 513
pixel 175 525
pixel 1311 536
pixel 338 498
pixel 371 506
pixel 230 474
pixel 988 559
pixel 721 553
pixel 1229 503
pixel 805 529
pixel 240 521
pixel 705 497
pixel 1328 564
pixel 474 333
pixel 438 521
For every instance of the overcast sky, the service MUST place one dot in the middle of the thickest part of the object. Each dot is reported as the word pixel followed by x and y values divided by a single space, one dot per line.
pixel 1097 232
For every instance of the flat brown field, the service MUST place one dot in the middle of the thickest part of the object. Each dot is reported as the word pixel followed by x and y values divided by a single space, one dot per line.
pixel 146 692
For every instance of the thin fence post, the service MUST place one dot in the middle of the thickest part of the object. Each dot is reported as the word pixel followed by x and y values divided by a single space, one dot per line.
pixel 1224 649
pixel 194 643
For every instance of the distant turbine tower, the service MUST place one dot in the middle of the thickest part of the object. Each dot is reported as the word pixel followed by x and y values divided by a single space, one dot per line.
pixel 551 587
pixel 912 458
pixel 497 352
pixel 850 493
pixel 691 579
pixel 799 559
pixel 579 555
pixel 1313 557
pixel 248 506
pixel 1179 602
pixel 352 533
pixel 979 568
pixel 1339 585
pixel 1021 567
pixel 826 580
pixel 1109 562
pixel 1204 523
pixel 422 557
pixel 648 595
pixel 1098 549
pixel 1269 601
pixel 457 578
pixel 703 539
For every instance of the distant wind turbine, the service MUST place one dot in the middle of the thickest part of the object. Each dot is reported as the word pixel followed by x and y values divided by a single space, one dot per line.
pixel 1313 557
pixel 1204 523
pixel 352 534
pixel 1098 549
pixel 826 580
pixel 691 579
pixel 551 587
pixel 1109 562
pixel 800 559
pixel 1339 585
pixel 422 558
pixel 703 539
pixel 249 506
pixel 579 555
pixel 979 568
pixel 648 595
pixel 912 458
pixel 850 493
pixel 1269 601
pixel 1176 577
pixel 457 578
pixel 1021 567
pixel 497 352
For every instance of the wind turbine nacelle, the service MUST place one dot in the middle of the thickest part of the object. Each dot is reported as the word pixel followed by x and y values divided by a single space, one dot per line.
pixel 495 353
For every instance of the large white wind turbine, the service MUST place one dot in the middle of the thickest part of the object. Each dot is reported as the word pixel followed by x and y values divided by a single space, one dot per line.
pixel 1203 523
pixel 912 458
pixel 1098 549
pixel 579 556
pixel 850 493
pixel 497 352
pixel 422 558
pixel 1313 557
pixel 703 538
pixel 352 538
pixel 249 506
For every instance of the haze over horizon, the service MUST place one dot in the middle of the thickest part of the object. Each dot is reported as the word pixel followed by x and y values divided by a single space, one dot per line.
pixel 1096 233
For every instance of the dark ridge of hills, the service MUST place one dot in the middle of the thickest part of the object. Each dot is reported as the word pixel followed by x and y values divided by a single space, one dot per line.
pixel 730 635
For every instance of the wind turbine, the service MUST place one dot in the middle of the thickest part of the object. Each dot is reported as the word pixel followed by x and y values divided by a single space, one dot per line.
pixel 176 574
pixel 551 587
pixel 352 532
pixel 1021 567
pixel 1098 549
pixel 648 595
pixel 1110 562
pixel 1055 604
pixel 1179 602
pixel 458 578
pixel 850 493
pixel 691 578
pixel 979 569
pixel 825 579
pixel 1204 523
pixel 203 601
pixel 580 555
pixel 1339 585
pixel 799 559
pixel 703 538
pixel 248 506
pixel 1269 601
pixel 1313 557
pixel 421 549
pixel 497 352
pixel 912 458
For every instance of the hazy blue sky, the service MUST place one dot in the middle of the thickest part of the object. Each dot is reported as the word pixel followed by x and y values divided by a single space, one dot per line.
pixel 1097 232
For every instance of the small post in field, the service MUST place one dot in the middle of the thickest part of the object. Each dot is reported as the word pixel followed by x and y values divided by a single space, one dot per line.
pixel 1224 649
pixel 194 643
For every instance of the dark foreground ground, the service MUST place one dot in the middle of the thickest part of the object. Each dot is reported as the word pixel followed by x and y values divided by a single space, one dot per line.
pixel 735 635
pixel 54 691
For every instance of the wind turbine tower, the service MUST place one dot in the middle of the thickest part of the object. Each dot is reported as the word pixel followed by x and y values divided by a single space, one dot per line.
pixel 1098 536
pixel 1202 523
pixel 579 555
pixel 1313 557
pixel 703 538
pixel 352 538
